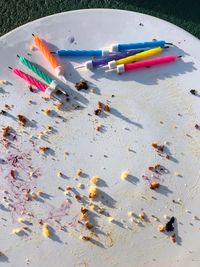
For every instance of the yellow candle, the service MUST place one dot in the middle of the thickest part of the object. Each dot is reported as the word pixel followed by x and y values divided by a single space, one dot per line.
pixel 136 57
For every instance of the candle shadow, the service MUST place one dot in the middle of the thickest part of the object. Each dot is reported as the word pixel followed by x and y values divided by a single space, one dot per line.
pixel 74 96
pixel 3 257
pixel 152 75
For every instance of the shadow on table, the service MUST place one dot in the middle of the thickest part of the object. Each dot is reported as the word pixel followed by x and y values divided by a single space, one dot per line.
pixel 150 76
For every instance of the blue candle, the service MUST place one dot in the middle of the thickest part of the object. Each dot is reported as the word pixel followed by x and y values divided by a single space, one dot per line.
pixel 122 47
pixel 82 53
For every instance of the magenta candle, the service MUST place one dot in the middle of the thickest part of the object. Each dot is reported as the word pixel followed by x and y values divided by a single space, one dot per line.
pixel 29 79
pixel 145 63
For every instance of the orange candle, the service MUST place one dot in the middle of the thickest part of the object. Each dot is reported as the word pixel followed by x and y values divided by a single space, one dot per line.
pixel 49 57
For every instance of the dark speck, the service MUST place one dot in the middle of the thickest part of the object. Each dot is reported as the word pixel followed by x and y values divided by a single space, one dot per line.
pixel 169 225
pixel 3 112
pixel 193 91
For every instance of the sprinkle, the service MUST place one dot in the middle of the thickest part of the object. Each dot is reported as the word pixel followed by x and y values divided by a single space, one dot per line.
pixel 46 230
pixel 110 219
pixel 92 90
pixel 124 175
pixel 31 174
pixel 176 174
pixel 94 179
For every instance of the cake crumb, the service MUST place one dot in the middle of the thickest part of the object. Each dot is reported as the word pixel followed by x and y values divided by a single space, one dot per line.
pixel 59 105
pixel 110 219
pixel 78 172
pixel 93 192
pixel 142 216
pixel 81 85
pixel 22 120
pixel 47 111
pixel 43 149
pixel 85 238
pixel 154 185
pixel 161 228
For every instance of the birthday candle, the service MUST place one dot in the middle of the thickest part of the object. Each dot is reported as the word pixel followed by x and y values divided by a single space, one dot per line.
pixel 95 63
pixel 149 53
pixel 49 57
pixel 146 63
pixel 32 81
pixel 82 53
pixel 52 83
pixel 122 47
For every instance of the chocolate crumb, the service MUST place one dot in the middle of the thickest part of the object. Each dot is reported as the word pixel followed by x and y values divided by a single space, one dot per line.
pixel 173 237
pixel 78 198
pixel 193 91
pixel 106 108
pixel 100 105
pixel 6 131
pixel 81 85
pixel 197 126
pixel 97 111
pixel 31 89
pixel 169 225
pixel 88 225
pixel 43 149
pixel 22 120
pixel 160 148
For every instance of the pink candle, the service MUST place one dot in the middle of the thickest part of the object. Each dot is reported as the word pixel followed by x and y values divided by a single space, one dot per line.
pixel 29 79
pixel 145 63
